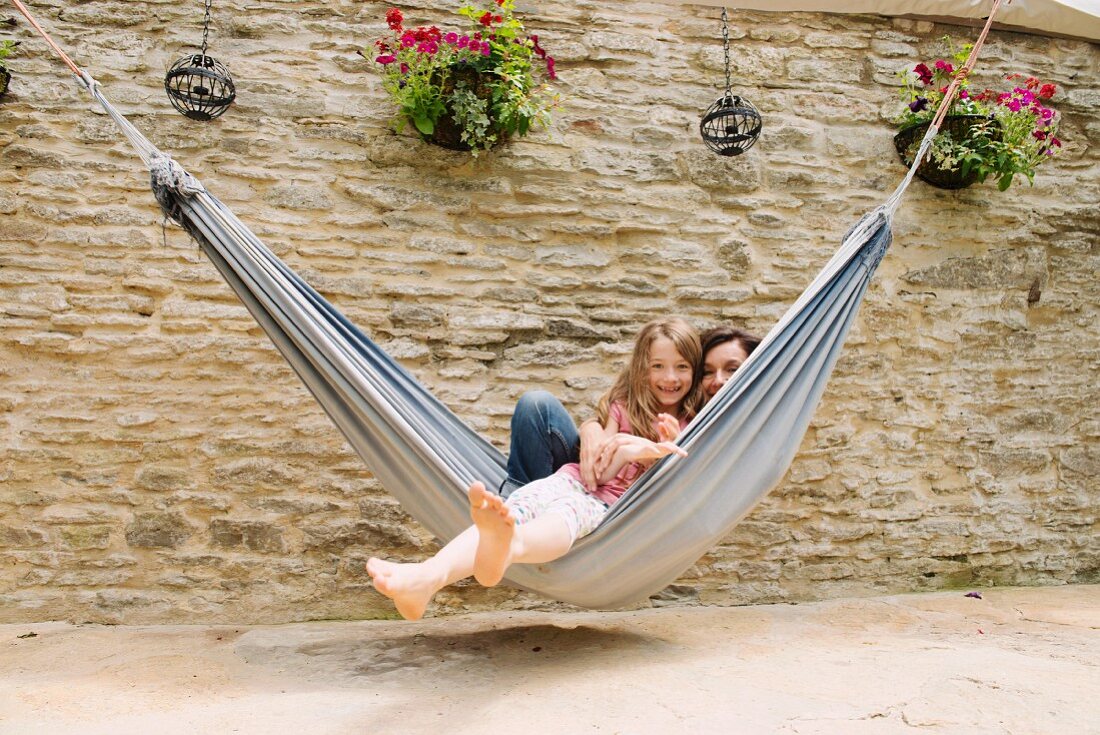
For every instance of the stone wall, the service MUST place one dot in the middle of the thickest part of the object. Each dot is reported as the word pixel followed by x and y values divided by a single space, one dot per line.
pixel 159 462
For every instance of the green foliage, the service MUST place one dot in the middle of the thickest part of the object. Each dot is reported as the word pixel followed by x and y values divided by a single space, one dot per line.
pixel 483 78
pixel 1019 132
pixel 7 48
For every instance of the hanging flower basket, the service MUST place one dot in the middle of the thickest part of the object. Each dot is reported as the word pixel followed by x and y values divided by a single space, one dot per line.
pixel 448 131
pixel 961 128
pixel 466 91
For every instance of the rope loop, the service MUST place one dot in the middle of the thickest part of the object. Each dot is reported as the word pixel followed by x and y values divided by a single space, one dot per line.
pixel 165 173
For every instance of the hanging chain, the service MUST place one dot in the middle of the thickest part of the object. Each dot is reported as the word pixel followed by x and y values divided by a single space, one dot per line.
pixel 206 29
pixel 726 47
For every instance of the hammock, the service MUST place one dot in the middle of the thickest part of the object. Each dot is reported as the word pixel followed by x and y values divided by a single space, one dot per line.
pixel 739 446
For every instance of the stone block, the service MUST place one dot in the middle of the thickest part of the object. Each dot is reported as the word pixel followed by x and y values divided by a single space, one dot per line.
pixel 14 537
pixel 80 538
pixel 158 530
pixel 161 478
pixel 258 536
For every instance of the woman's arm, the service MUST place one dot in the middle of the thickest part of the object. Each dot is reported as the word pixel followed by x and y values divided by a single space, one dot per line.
pixel 593 439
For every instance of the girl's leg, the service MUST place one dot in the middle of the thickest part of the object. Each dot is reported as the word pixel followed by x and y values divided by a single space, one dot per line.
pixel 412 586
pixel 501 543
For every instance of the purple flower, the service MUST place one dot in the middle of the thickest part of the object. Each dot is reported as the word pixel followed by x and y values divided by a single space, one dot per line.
pixel 975 595
pixel 920 103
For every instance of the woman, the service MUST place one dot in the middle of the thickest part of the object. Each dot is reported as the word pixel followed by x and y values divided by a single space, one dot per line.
pixel 544 436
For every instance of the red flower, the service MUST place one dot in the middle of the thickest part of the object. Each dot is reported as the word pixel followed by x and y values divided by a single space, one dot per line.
pixel 924 73
pixel 500 2
pixel 1032 82
pixel 1039 135
pixel 497 19
pixel 1056 143
pixel 486 19
pixel 394 19
pixel 1047 91
pixel 550 68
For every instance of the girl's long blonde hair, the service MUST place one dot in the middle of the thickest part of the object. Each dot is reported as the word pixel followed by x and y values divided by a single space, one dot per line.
pixel 632 386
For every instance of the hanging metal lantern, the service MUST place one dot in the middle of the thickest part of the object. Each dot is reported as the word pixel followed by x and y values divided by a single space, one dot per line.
pixel 732 124
pixel 198 85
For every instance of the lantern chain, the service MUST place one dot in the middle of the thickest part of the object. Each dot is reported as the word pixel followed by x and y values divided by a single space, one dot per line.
pixel 726 48
pixel 206 32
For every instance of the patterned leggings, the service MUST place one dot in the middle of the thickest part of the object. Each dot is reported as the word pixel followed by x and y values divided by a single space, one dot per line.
pixel 563 496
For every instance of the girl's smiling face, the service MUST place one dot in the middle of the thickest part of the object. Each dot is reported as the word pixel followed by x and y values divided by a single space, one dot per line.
pixel 670 375
pixel 719 365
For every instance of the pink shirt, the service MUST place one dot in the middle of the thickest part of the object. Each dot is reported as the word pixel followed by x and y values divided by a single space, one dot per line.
pixel 613 489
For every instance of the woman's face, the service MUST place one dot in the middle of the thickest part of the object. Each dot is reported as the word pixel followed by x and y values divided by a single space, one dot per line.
pixel 719 364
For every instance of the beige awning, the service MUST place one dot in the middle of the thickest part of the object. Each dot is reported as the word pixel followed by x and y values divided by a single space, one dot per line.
pixel 1071 18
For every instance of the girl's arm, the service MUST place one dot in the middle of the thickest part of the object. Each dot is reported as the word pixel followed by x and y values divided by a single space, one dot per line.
pixel 625 449
pixel 622 449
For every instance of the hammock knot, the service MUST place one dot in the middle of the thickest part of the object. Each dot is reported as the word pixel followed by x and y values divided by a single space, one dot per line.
pixel 165 173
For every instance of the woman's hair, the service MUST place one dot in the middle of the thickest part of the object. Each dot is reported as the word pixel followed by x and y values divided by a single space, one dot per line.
pixel 631 388
pixel 720 335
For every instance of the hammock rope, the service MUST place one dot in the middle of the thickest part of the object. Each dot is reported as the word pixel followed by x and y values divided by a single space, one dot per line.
pixel 739 446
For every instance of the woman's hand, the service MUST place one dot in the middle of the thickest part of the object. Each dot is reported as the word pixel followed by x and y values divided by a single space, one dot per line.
pixel 593 438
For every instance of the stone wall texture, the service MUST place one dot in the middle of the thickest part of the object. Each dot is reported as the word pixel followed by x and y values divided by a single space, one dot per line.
pixel 159 462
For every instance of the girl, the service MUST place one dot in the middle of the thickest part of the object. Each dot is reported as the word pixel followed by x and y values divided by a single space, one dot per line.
pixel 654 397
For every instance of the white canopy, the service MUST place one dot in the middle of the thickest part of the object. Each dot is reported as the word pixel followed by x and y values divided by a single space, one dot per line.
pixel 1073 18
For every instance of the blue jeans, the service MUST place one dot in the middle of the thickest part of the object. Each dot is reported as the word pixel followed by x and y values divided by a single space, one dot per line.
pixel 544 438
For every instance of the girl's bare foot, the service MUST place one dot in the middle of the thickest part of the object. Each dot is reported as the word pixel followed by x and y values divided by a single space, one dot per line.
pixel 410 586
pixel 496 528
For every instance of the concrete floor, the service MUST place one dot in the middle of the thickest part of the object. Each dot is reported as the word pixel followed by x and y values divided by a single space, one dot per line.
pixel 1017 661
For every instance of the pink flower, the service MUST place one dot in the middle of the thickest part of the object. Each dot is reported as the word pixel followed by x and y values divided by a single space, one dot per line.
pixel 550 68
pixel 1039 135
pixel 963 94
pixel 404 68
pixel 386 59
pixel 1056 143
pixel 943 66
pixel 451 38
pixel 485 49
pixel 463 42
pixel 1014 105
pixel 539 50
pixel 408 41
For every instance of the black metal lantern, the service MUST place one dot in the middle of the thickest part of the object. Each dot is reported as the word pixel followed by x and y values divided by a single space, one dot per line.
pixel 732 124
pixel 198 85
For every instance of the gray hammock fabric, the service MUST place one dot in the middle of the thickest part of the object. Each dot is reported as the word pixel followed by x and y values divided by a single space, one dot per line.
pixel 739 446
